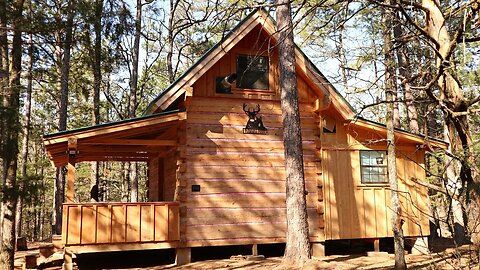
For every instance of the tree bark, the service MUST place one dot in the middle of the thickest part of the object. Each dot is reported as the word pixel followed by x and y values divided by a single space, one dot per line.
pixel 59 189
pixel 391 156
pixel 297 250
pixel 26 137
pixel 451 99
pixel 12 120
pixel 405 76
pixel 173 8
pixel 132 176
pixel 4 69
pixel 97 83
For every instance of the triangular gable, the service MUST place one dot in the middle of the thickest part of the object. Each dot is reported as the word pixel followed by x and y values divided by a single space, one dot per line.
pixel 260 17
pixel 328 95
pixel 133 139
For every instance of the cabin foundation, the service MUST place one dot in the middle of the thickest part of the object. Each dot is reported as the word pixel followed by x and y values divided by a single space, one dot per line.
pixel 318 250
pixel 420 245
pixel 183 256
pixel 67 259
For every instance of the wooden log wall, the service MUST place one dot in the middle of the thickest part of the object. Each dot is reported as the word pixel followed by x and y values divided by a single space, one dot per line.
pixel 241 177
pixel 356 210
pixel 117 223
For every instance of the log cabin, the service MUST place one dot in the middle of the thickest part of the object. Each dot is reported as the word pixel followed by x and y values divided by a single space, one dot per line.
pixel 216 177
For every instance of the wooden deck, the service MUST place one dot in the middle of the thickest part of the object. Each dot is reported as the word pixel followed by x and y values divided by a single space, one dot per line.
pixel 92 227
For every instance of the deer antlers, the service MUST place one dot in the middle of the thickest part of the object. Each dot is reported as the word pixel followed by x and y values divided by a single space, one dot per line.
pixel 247 110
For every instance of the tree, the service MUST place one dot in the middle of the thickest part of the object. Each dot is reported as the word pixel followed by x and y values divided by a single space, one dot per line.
pixel 297 250
pixel 11 105
pixel 390 90
pixel 62 121
pixel 26 132
pixel 97 83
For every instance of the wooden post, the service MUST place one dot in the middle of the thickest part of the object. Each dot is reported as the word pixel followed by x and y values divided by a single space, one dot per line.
pixel 318 250
pixel 183 256
pixel 420 247
pixel 67 260
pixel 376 245
pixel 255 250
pixel 72 151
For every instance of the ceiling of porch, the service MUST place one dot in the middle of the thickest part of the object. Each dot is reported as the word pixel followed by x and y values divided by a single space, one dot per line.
pixel 134 139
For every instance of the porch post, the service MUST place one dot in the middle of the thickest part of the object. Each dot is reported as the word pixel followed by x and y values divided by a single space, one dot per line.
pixel 72 151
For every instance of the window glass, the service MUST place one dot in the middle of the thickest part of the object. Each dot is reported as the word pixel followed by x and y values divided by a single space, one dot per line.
pixel 373 167
pixel 252 72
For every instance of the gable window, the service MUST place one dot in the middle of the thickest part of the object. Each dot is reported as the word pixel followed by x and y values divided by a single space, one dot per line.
pixel 252 72
pixel 374 167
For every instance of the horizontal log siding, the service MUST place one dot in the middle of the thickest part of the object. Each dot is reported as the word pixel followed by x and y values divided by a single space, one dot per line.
pixel 242 176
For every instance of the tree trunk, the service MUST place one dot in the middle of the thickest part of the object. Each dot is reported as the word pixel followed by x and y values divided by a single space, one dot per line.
pixel 12 120
pixel 97 83
pixel 26 137
pixel 391 156
pixel 297 250
pixel 451 99
pixel 126 182
pixel 405 76
pixel 132 176
pixel 59 189
pixel 4 68
pixel 173 7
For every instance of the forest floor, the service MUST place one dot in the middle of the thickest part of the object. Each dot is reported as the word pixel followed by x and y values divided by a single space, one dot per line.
pixel 452 258
pixel 463 257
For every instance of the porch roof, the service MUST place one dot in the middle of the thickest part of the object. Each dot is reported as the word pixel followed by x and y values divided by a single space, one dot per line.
pixel 133 139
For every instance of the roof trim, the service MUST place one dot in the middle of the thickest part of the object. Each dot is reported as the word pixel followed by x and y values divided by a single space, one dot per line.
pixel 53 137
pixel 430 142
pixel 182 80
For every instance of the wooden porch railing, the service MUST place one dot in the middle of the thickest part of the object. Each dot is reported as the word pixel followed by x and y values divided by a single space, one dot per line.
pixel 117 223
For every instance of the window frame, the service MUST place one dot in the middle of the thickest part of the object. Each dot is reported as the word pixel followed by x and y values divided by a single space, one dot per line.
pixel 373 165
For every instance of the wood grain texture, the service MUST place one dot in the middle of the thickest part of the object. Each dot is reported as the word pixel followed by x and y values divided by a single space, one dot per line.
pixel 241 177
pixel 115 223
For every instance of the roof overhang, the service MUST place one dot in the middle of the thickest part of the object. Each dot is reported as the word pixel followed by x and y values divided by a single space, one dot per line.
pixel 421 141
pixel 134 139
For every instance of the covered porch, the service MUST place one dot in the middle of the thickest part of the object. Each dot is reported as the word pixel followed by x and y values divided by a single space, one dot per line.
pixel 117 226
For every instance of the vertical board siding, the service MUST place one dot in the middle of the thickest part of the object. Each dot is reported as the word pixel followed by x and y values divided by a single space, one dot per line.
pixel 353 210
pixel 242 176
pixel 110 223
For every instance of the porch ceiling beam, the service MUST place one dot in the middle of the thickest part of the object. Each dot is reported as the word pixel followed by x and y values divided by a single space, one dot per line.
pixel 133 142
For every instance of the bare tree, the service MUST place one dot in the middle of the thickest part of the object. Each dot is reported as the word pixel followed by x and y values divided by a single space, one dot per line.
pixel 390 90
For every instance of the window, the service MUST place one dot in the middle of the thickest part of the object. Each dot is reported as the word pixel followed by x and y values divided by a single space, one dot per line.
pixel 252 72
pixel 374 167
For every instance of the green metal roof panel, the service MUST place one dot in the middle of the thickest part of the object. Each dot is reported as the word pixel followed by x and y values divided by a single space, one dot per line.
pixel 46 136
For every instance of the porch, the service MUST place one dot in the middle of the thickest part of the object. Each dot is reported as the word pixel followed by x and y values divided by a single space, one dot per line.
pixel 100 227
pixel 118 226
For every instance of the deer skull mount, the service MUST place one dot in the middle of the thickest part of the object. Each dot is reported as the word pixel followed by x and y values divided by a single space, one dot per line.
pixel 254 124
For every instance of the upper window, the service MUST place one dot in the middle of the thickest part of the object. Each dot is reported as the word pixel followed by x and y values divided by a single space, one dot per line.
pixel 374 167
pixel 252 72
